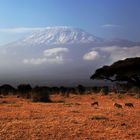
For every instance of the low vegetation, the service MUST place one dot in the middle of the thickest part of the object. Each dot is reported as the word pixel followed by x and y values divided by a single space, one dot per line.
pixel 40 94
pixel 98 117
pixel 22 118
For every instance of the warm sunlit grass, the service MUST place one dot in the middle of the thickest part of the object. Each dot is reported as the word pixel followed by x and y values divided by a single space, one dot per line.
pixel 70 118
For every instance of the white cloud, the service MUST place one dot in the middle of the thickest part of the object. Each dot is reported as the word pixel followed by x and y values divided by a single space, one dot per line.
pixel 93 55
pixel 114 53
pixel 107 55
pixel 35 61
pixel 28 29
pixel 118 53
pixel 50 56
pixel 54 52
pixel 39 61
pixel 111 26
pixel 19 30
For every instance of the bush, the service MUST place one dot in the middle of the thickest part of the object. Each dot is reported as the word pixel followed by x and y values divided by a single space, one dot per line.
pixel 7 89
pixel 40 94
pixel 134 90
pixel 81 89
pixel 98 117
pixel 137 96
pixel 64 91
pixel 24 90
pixel 104 90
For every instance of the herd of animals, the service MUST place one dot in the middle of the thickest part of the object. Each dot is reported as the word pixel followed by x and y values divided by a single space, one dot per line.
pixel 115 104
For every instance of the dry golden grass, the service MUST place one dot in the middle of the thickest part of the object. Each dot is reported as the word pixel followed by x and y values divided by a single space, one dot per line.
pixel 74 119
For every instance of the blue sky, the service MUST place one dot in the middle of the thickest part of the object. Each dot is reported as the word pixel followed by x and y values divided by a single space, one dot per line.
pixel 104 18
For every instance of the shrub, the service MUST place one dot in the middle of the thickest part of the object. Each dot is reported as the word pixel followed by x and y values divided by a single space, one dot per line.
pixel 7 89
pixel 119 114
pixel 24 90
pixel 137 96
pixel 134 91
pixel 64 91
pixel 40 94
pixel 104 90
pixel 96 89
pixel 81 89
pixel 98 117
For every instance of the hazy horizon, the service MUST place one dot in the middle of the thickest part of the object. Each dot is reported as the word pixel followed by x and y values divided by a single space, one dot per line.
pixel 82 36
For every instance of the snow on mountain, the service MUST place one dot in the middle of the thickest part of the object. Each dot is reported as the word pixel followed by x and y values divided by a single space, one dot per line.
pixel 61 56
pixel 59 35
pixel 64 35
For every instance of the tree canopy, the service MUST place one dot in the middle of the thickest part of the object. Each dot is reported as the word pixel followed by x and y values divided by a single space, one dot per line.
pixel 124 70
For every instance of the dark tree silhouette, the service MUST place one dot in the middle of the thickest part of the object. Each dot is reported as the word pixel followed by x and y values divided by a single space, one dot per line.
pixel 124 70
pixel 6 89
pixel 81 89
pixel 24 90
pixel 40 94
pixel 64 91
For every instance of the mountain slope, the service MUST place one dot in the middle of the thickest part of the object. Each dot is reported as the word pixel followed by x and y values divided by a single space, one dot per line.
pixel 60 35
pixel 61 56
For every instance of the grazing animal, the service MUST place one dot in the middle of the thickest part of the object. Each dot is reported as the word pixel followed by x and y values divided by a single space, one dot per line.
pixel 129 105
pixel 117 105
pixel 94 103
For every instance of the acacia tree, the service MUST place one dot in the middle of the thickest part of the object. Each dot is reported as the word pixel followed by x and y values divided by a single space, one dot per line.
pixel 124 70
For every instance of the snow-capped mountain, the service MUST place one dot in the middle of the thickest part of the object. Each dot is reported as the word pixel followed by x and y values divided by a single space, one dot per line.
pixel 61 56
pixel 59 35
pixel 65 35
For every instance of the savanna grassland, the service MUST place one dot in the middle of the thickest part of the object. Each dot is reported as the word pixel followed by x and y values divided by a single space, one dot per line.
pixel 72 118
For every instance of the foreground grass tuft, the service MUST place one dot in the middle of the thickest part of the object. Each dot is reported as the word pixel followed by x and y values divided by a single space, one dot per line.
pixel 98 117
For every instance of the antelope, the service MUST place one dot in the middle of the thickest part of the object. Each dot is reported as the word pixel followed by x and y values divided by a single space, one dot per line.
pixel 117 105
pixel 129 105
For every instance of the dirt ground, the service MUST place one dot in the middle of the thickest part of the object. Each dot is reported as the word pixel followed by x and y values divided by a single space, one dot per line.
pixel 73 119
